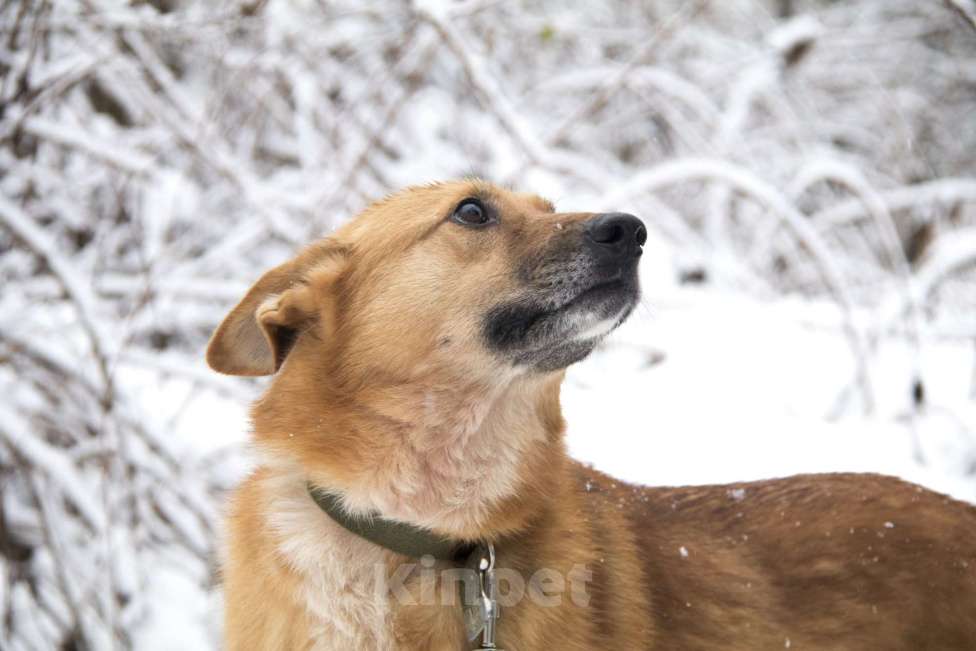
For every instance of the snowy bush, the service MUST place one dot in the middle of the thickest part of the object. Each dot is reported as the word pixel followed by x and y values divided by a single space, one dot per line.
pixel 155 155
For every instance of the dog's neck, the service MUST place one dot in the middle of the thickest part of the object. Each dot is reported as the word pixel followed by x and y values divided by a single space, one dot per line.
pixel 463 459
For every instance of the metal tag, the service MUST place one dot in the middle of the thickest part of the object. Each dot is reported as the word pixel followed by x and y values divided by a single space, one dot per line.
pixel 479 595
pixel 475 615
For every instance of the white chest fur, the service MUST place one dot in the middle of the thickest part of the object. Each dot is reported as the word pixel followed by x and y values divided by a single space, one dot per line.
pixel 341 575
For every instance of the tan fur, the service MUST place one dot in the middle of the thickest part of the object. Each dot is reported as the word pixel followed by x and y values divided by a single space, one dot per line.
pixel 386 394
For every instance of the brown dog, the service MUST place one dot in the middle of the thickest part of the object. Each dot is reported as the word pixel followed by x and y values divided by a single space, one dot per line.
pixel 418 355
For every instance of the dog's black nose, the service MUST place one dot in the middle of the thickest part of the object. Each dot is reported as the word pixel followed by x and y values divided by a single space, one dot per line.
pixel 616 234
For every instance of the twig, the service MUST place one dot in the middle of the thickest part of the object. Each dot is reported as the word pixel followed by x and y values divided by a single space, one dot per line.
pixel 964 9
pixel 83 301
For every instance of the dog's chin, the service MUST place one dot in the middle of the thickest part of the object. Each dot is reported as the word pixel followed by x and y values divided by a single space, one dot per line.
pixel 545 338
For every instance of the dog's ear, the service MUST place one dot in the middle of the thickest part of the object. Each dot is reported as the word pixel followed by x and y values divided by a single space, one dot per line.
pixel 257 335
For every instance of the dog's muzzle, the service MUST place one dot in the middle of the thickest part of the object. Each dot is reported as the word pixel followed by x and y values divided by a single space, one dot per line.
pixel 575 292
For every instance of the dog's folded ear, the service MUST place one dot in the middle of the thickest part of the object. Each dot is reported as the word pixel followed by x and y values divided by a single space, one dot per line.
pixel 257 335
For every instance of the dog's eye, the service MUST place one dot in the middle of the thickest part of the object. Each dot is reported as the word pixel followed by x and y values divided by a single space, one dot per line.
pixel 471 212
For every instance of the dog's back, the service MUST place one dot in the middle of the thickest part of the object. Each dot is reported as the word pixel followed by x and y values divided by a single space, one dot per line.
pixel 845 561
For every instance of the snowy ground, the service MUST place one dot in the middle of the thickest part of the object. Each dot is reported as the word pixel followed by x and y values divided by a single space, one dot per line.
pixel 741 392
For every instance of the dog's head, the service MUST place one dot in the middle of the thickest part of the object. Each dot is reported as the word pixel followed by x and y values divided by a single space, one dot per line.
pixel 466 278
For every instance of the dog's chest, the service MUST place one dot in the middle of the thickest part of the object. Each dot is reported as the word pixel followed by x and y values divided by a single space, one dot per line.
pixel 342 578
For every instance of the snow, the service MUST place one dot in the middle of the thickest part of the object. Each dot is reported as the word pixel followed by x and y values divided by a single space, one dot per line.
pixel 73 136
pixel 744 392
pixel 185 617
pixel 55 467
pixel 806 182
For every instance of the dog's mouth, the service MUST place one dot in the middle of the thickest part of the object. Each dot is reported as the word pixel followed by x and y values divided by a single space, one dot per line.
pixel 598 310
pixel 553 331
pixel 601 291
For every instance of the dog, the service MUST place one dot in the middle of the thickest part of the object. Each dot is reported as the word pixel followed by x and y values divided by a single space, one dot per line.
pixel 413 424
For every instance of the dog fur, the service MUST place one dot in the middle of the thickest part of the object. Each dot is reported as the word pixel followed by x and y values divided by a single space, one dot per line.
pixel 417 362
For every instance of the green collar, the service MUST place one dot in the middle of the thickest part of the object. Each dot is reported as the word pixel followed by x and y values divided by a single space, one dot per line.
pixel 398 537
